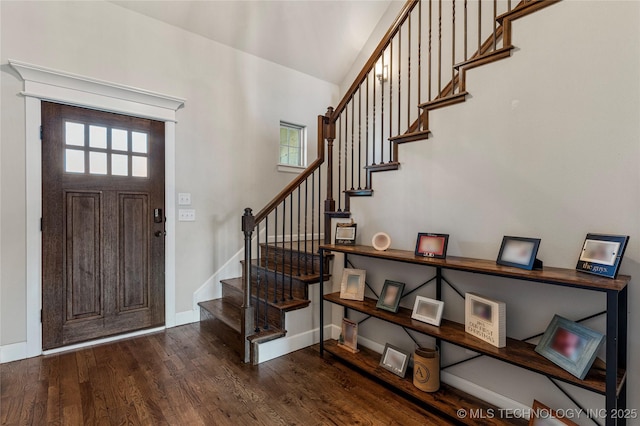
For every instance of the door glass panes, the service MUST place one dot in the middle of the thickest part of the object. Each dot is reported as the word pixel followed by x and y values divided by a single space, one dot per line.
pixel 119 165
pixel 111 152
pixel 98 137
pixel 74 134
pixel 139 166
pixel 97 163
pixel 139 142
pixel 119 140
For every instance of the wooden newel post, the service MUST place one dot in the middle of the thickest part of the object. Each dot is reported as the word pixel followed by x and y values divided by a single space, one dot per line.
pixel 248 225
pixel 329 133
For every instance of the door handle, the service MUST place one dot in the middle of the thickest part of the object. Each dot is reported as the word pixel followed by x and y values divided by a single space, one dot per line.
pixel 160 233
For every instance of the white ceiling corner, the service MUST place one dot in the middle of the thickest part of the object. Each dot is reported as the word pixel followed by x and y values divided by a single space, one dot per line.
pixel 321 38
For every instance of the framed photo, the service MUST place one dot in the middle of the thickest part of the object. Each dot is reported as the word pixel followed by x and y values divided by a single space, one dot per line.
pixel 570 345
pixel 602 254
pixel 352 286
pixel 432 245
pixel 395 360
pixel 486 319
pixel 349 336
pixel 541 415
pixel 519 252
pixel 346 233
pixel 390 296
pixel 428 310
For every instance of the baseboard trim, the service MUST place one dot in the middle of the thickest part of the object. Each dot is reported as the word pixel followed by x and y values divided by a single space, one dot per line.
pixel 187 317
pixel 13 352
pixel 284 345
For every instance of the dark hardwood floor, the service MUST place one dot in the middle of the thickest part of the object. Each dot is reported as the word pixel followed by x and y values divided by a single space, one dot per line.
pixel 186 376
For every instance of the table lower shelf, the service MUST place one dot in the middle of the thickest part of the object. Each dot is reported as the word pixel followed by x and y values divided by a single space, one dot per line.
pixel 448 400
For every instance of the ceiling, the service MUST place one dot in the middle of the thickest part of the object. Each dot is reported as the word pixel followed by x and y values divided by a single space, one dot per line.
pixel 317 37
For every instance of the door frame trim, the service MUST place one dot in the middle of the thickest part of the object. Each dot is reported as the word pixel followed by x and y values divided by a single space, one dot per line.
pixel 45 84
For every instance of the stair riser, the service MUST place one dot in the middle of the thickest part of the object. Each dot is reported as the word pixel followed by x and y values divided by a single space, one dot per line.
pixel 272 280
pixel 232 294
pixel 306 263
pixel 226 334
pixel 275 316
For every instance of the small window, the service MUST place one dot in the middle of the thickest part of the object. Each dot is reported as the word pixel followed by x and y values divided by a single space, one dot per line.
pixel 293 145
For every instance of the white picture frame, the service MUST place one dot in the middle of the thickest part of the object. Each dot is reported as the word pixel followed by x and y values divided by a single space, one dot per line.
pixel 428 310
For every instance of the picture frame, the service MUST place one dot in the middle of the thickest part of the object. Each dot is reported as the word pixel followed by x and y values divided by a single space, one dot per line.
pixel 432 245
pixel 541 415
pixel 349 335
pixel 352 284
pixel 602 254
pixel 570 345
pixel 390 296
pixel 395 360
pixel 486 319
pixel 428 310
pixel 519 252
pixel 346 233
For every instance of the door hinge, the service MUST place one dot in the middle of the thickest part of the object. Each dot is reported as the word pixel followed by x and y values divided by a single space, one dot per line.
pixel 41 133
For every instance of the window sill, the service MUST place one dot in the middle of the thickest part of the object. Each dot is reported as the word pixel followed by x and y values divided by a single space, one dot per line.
pixel 285 168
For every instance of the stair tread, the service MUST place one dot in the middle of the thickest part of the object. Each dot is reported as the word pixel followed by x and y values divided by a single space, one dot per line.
pixel 359 192
pixel 444 101
pixel 411 136
pixel 264 336
pixel 494 55
pixel 286 305
pixel 225 311
pixel 391 165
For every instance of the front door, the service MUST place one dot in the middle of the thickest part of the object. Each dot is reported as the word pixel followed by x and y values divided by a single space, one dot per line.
pixel 103 224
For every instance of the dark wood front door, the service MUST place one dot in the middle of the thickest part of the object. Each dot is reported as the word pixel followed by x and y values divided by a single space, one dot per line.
pixel 102 224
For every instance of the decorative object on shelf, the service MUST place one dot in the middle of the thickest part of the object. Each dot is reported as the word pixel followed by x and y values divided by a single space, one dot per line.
pixel 519 252
pixel 346 233
pixel 352 286
pixel 428 310
pixel 486 319
pixel 390 296
pixel 570 345
pixel 426 369
pixel 541 415
pixel 381 241
pixel 395 360
pixel 432 245
pixel 602 254
pixel 349 336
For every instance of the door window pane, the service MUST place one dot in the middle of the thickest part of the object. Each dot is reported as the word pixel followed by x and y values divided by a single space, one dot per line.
pixel 119 140
pixel 119 165
pixel 139 142
pixel 98 137
pixel 97 163
pixel 139 166
pixel 73 161
pixel 74 134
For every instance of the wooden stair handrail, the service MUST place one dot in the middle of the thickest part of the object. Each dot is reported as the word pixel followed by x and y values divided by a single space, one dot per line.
pixel 294 184
pixel 370 64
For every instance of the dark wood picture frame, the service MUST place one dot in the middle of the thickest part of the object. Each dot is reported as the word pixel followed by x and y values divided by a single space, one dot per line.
pixel 519 252
pixel 432 245
pixel 390 296
pixel 395 360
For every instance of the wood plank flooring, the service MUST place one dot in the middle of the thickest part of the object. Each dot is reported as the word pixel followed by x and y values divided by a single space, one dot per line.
pixel 186 376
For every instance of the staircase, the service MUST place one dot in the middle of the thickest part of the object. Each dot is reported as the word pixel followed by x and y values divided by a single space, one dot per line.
pixel 418 67
pixel 287 265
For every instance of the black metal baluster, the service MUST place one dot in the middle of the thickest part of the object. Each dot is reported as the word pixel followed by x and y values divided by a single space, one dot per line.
pixel 390 74
pixel 353 119
pixel 299 228
pixel 399 77
pixel 313 212
pixel 359 137
pixel 366 138
pixel 373 130
pixel 275 258
pixel 453 46
pixel 420 126
pixel 339 163
pixel 306 215
pixel 266 288
pixel 284 233
pixel 258 283
pixel 290 245
pixel 382 110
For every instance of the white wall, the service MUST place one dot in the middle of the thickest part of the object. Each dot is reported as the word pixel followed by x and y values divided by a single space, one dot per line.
pixel 548 146
pixel 226 140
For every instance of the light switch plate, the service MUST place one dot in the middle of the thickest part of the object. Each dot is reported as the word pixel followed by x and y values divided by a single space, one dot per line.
pixel 186 215
pixel 184 198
